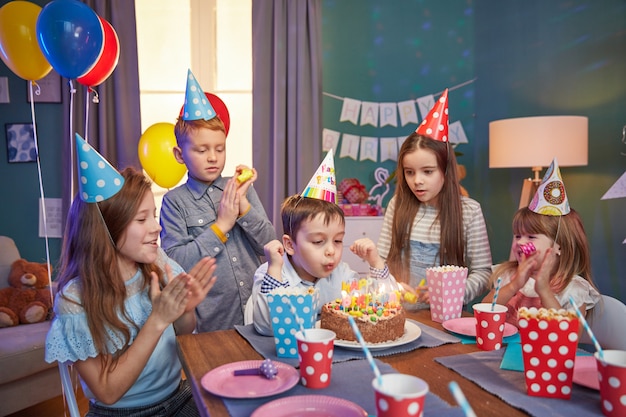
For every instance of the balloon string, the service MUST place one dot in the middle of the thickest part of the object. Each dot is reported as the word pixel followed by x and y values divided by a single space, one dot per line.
pixel 87 115
pixel 73 174
pixel 41 193
pixel 96 97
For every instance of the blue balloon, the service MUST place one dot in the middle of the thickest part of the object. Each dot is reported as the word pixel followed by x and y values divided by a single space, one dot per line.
pixel 71 37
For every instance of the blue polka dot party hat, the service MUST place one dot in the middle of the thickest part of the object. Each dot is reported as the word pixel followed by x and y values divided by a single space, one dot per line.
pixel 550 198
pixel 197 106
pixel 97 179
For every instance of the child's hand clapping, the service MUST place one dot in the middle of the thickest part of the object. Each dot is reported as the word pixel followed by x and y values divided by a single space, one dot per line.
pixel 228 210
pixel 524 269
pixel 201 282
pixel 242 186
pixel 546 269
pixel 169 303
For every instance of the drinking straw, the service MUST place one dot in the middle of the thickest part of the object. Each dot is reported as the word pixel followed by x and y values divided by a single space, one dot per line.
pixel 368 355
pixel 295 315
pixel 587 328
pixel 460 398
pixel 495 294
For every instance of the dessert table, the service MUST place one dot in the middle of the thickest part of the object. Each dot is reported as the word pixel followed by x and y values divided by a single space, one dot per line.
pixel 200 353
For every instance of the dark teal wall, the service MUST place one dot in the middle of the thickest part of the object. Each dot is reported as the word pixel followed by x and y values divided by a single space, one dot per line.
pixel 528 58
pixel 377 51
pixel 19 183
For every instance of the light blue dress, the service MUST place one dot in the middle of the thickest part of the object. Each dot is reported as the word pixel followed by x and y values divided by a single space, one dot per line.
pixel 69 340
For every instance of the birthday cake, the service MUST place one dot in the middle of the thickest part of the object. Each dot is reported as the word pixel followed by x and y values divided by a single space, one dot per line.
pixel 377 322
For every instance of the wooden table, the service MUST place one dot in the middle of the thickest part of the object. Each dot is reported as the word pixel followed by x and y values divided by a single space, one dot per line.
pixel 199 353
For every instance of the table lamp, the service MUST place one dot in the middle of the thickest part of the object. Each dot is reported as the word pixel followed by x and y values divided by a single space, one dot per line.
pixel 534 142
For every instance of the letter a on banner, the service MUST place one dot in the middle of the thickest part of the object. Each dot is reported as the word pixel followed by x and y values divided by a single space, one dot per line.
pixel 369 114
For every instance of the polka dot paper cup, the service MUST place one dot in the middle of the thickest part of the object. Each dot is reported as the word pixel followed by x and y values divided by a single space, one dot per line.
pixel 284 325
pixel 446 286
pixel 315 352
pixel 400 395
pixel 489 325
pixel 549 352
pixel 612 376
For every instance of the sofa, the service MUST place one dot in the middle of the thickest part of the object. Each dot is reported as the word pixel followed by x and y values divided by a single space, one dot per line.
pixel 25 378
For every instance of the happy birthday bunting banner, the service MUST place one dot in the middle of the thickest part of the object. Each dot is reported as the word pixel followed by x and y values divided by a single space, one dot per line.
pixel 330 139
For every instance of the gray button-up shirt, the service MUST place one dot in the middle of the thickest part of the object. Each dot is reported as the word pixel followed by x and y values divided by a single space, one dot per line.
pixel 187 213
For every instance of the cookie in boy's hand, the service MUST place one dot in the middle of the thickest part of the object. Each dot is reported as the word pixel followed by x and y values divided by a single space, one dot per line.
pixel 245 175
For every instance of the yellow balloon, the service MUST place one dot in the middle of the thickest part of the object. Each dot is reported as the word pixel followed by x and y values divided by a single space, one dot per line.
pixel 19 48
pixel 157 157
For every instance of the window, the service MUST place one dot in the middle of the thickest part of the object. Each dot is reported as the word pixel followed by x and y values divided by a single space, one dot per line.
pixel 214 39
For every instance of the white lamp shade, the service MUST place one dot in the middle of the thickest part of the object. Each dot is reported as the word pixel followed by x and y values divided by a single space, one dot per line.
pixel 536 141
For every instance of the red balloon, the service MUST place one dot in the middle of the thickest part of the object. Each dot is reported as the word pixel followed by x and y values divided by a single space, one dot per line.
pixel 107 61
pixel 219 107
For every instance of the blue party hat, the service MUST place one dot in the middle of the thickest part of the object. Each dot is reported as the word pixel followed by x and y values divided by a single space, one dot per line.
pixel 97 179
pixel 197 105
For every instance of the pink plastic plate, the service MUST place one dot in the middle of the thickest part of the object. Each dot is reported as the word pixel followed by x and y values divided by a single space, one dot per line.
pixel 466 326
pixel 586 372
pixel 222 381
pixel 310 406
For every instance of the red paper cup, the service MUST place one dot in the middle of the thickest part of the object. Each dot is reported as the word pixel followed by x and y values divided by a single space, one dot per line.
pixel 315 351
pixel 446 287
pixel 400 395
pixel 489 325
pixel 612 376
pixel 549 352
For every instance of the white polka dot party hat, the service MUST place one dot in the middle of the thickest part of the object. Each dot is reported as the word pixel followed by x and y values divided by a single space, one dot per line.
pixel 97 179
pixel 197 106
pixel 435 124
pixel 550 198
pixel 323 185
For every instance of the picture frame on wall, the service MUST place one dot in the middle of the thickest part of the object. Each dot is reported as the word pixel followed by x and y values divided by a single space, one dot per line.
pixel 20 139
pixel 49 88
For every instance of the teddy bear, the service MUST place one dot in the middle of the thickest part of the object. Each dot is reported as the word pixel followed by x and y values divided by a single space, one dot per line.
pixel 28 298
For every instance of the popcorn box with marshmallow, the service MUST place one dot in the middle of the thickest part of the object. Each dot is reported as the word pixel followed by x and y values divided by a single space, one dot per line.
pixel 549 341
pixel 446 285
pixel 284 323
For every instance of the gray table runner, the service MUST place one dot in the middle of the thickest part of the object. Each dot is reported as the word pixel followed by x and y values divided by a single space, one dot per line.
pixel 265 346
pixel 483 368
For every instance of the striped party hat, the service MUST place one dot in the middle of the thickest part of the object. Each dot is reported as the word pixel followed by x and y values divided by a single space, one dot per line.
pixel 323 185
